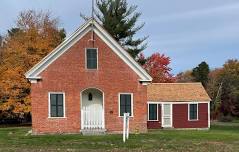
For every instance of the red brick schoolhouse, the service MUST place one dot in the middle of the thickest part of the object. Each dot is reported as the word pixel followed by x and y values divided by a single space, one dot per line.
pixel 89 81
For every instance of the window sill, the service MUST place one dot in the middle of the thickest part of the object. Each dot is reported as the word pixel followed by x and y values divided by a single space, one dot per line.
pixel 123 116
pixel 153 120
pixel 57 117
pixel 92 70
pixel 193 120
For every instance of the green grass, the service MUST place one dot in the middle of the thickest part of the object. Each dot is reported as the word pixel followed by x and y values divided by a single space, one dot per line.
pixel 221 137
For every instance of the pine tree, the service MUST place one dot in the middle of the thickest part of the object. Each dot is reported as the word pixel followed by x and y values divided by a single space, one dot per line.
pixel 119 19
pixel 201 73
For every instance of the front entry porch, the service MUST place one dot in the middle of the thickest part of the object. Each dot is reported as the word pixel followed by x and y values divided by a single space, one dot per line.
pixel 92 111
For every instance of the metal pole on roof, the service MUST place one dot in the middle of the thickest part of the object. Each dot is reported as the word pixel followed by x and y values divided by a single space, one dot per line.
pixel 92 16
pixel 92 10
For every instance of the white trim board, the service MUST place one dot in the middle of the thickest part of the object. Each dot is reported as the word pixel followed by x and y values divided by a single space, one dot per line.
pixel 209 121
pixel 34 72
pixel 160 102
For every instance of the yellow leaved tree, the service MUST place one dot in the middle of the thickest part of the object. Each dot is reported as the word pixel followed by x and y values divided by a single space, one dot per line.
pixel 35 35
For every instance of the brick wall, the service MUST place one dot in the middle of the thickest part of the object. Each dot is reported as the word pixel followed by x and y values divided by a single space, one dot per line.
pixel 68 74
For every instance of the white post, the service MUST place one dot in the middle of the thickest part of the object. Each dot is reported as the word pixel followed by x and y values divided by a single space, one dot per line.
pixel 125 126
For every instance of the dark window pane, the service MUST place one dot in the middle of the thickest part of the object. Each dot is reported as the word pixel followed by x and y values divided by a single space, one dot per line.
pixel 193 111
pixel 128 109
pixel 128 100
pixel 122 110
pixel 152 111
pixel 60 99
pixel 125 104
pixel 53 99
pixel 60 111
pixel 91 58
pixel 53 111
pixel 122 100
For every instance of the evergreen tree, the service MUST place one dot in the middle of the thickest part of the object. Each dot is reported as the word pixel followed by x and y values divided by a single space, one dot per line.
pixel 119 19
pixel 201 73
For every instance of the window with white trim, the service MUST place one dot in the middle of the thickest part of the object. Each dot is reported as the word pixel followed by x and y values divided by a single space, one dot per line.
pixel 91 58
pixel 153 112
pixel 193 111
pixel 126 103
pixel 56 104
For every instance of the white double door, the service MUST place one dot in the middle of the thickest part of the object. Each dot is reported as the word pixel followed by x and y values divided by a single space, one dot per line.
pixel 167 115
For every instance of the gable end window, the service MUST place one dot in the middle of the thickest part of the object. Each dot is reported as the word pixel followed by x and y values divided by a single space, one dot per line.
pixel 193 111
pixel 91 58
pixel 56 105
pixel 152 112
pixel 125 104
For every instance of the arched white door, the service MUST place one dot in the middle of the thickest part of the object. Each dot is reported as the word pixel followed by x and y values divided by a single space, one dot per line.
pixel 92 112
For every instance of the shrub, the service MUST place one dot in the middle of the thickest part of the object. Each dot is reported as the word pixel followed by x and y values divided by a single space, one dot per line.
pixel 227 118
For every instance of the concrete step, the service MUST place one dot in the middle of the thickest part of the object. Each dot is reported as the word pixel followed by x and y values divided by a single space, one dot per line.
pixel 93 132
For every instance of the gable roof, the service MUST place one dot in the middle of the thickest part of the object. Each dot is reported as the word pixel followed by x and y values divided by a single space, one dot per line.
pixel 91 24
pixel 176 92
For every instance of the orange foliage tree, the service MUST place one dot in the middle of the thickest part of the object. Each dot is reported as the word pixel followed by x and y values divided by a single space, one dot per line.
pixel 157 66
pixel 35 35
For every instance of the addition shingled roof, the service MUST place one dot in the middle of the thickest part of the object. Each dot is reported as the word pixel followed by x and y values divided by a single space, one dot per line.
pixel 171 92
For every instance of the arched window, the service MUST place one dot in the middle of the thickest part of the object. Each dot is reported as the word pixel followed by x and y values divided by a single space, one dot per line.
pixel 90 97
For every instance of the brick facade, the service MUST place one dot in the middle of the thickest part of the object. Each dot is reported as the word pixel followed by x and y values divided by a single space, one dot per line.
pixel 68 74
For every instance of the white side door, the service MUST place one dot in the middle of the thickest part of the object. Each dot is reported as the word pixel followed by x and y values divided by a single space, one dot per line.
pixel 167 115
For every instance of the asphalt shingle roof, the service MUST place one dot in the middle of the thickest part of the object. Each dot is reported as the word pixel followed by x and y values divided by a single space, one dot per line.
pixel 171 92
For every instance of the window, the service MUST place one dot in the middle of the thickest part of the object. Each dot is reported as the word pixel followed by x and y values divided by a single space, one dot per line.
pixel 56 105
pixel 126 101
pixel 153 112
pixel 193 111
pixel 91 58
pixel 90 96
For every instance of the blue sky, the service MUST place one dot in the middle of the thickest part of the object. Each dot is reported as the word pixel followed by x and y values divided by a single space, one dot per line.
pixel 188 31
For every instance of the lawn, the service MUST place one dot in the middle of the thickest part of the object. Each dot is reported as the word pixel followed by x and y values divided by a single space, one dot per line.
pixel 221 137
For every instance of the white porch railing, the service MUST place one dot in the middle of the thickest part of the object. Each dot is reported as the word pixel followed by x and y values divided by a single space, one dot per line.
pixel 92 118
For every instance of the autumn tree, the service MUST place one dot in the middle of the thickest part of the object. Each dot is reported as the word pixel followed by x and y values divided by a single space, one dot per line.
pixel 185 76
pixel 157 66
pixel 201 73
pixel 35 35
pixel 230 88
pixel 214 90
pixel 120 20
